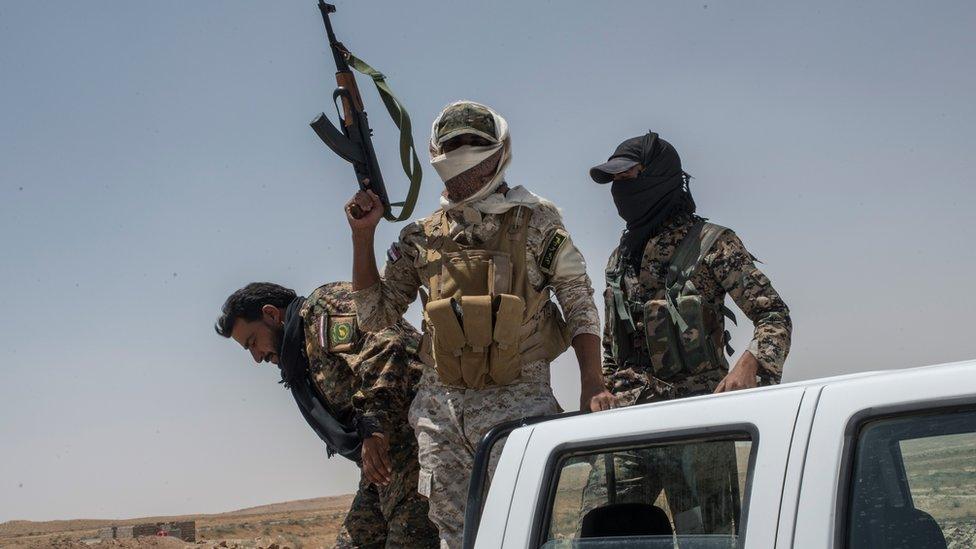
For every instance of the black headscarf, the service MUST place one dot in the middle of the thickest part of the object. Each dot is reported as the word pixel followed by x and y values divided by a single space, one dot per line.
pixel 647 201
pixel 338 436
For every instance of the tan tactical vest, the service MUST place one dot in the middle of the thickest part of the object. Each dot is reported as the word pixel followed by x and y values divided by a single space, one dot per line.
pixel 483 320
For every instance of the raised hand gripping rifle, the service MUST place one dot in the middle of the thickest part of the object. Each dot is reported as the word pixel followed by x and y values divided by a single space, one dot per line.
pixel 353 143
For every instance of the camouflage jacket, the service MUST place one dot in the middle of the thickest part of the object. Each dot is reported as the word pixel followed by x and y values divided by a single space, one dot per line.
pixel 366 377
pixel 385 303
pixel 728 268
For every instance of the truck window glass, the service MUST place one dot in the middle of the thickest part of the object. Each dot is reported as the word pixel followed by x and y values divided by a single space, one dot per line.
pixel 914 482
pixel 686 492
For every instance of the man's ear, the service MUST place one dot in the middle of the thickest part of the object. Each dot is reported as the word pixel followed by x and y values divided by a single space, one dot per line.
pixel 271 314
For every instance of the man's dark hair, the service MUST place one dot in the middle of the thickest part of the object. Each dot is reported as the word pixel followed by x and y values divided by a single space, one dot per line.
pixel 246 303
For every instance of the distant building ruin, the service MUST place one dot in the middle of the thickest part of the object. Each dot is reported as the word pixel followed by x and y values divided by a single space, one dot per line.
pixel 186 530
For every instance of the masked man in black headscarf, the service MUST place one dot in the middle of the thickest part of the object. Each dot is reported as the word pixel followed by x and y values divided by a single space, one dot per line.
pixel 665 336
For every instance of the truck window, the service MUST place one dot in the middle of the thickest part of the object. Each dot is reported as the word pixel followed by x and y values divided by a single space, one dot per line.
pixel 914 482
pixel 652 496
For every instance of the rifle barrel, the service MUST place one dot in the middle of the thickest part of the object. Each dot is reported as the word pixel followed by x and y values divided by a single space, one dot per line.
pixel 340 61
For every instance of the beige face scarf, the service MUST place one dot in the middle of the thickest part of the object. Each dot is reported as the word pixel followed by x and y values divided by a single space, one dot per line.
pixel 469 166
pixel 464 159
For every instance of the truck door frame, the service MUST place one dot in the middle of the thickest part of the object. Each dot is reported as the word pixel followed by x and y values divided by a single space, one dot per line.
pixel 735 432
pixel 771 410
pixel 843 407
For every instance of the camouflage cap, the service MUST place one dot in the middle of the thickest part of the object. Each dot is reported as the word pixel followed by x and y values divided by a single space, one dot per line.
pixel 465 117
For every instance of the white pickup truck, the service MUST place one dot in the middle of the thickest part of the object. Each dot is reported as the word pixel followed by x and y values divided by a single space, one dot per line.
pixel 875 460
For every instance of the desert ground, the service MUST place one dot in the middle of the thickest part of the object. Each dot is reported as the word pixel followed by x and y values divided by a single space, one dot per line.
pixel 302 524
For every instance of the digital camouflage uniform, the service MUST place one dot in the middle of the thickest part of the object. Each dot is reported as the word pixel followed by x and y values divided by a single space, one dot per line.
pixel 450 421
pixel 370 378
pixel 727 268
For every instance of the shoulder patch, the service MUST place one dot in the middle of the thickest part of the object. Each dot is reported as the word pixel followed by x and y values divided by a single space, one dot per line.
pixel 338 333
pixel 551 249
pixel 394 253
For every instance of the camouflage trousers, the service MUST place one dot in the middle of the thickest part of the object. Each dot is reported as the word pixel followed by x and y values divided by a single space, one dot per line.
pixel 393 516
pixel 449 423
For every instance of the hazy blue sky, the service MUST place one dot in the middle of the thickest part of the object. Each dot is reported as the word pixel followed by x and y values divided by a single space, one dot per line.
pixel 154 156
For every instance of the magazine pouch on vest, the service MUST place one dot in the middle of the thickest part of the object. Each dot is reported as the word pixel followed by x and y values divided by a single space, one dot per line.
pixel 505 364
pixel 684 333
pixel 484 318
pixel 476 316
pixel 661 335
pixel 448 339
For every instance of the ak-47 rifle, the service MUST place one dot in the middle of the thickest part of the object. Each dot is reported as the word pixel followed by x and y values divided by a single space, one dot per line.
pixel 353 143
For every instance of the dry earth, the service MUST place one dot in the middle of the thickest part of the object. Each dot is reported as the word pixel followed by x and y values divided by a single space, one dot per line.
pixel 310 523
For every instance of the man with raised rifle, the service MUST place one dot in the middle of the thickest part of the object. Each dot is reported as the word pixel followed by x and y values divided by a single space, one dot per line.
pixel 484 264
pixel 353 388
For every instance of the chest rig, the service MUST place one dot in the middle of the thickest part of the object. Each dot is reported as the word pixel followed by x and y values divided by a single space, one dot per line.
pixel 675 332
pixel 483 318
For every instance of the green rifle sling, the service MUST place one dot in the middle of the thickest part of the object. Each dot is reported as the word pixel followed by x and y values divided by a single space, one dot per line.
pixel 623 314
pixel 408 153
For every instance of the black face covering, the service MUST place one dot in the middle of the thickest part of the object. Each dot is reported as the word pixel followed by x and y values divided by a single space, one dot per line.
pixel 648 200
pixel 339 437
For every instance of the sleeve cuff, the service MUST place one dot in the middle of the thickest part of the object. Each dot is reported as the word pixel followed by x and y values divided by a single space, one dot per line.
pixel 367 300
pixel 368 296
pixel 586 328
pixel 754 348
pixel 767 368
pixel 368 425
